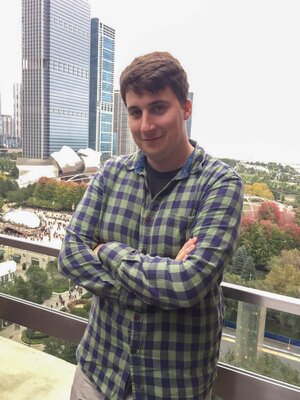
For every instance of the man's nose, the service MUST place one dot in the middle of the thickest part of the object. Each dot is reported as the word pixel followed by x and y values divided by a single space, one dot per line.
pixel 147 123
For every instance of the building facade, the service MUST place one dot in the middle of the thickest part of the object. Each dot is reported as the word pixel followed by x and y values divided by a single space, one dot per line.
pixel 7 127
pixel 55 75
pixel 102 61
pixel 124 141
pixel 16 134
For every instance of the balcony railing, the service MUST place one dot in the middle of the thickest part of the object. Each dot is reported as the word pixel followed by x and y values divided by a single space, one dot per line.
pixel 232 383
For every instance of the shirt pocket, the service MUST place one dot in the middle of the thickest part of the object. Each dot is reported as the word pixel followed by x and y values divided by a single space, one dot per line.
pixel 176 230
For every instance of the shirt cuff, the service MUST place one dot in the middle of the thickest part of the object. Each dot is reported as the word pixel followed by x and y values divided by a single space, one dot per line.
pixel 112 254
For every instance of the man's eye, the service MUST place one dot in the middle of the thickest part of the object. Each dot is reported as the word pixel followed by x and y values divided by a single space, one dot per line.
pixel 134 113
pixel 158 109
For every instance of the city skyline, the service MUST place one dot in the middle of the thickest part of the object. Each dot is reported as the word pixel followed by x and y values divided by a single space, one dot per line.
pixel 241 59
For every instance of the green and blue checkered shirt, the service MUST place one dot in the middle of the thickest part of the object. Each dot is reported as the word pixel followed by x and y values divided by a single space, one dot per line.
pixel 153 320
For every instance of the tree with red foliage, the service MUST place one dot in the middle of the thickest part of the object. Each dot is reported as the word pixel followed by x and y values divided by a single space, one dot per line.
pixel 269 211
pixel 287 216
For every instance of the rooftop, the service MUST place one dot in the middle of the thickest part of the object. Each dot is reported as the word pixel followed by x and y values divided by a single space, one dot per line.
pixel 29 374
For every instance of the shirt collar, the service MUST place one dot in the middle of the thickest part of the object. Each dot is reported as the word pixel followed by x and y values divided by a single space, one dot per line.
pixel 192 165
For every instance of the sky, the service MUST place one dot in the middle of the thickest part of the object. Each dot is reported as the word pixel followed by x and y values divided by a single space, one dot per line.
pixel 242 59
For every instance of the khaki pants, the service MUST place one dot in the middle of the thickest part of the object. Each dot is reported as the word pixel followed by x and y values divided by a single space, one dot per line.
pixel 83 388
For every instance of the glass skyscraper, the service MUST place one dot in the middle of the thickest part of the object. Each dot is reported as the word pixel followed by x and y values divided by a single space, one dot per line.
pixel 124 141
pixel 55 75
pixel 101 88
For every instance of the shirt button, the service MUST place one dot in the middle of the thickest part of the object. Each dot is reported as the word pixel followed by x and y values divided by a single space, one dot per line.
pixel 148 220
pixel 144 251
pixel 136 317
pixel 134 350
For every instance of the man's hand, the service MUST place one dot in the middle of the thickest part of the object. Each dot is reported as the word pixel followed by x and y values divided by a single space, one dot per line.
pixel 186 249
pixel 97 248
pixel 184 252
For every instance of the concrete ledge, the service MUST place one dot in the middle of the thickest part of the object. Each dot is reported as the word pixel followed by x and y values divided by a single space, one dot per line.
pixel 29 374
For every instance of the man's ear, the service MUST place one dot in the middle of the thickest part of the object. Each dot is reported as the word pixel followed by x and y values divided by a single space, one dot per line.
pixel 188 109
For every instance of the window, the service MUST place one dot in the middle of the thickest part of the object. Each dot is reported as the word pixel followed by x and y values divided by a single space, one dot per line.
pixel 35 261
pixel 105 147
pixel 16 258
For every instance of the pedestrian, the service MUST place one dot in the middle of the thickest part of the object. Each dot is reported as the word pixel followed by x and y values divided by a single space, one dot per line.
pixel 150 240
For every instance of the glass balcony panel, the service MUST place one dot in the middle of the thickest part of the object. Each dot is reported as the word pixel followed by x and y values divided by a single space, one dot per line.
pixel 262 340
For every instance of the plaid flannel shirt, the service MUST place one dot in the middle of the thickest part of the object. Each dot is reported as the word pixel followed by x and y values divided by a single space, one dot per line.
pixel 154 320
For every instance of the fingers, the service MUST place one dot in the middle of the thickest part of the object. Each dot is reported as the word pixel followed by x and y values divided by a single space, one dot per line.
pixel 97 248
pixel 189 243
pixel 186 249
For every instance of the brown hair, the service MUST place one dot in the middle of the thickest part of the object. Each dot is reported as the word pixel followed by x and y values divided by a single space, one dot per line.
pixel 154 72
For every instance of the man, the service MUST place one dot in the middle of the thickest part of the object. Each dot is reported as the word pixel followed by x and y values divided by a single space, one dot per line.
pixel 150 239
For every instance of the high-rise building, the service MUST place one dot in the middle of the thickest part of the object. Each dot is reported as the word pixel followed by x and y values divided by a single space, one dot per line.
pixel 6 122
pixel 124 141
pixel 55 75
pixel 16 132
pixel 102 63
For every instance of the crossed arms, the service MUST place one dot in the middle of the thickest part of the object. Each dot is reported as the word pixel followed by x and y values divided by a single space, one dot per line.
pixel 115 270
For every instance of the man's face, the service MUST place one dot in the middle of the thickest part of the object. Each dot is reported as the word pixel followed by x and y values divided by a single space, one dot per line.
pixel 157 124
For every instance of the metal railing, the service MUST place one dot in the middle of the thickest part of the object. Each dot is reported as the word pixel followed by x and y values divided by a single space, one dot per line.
pixel 232 383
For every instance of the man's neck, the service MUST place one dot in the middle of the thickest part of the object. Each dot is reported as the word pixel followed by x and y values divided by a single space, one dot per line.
pixel 171 165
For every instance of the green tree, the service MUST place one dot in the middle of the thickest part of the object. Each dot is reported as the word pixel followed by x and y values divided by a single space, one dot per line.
pixel 20 196
pixel 14 172
pixel 284 275
pixel 6 185
pixel 287 257
pixel 249 271
pixel 256 243
pixel 69 193
pixel 8 167
pixel 45 189
pixel 61 349
pixel 37 279
pixel 16 196
pixel 243 264
pixel 21 288
pixel 52 269
pixel 1 203
pixel 238 260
